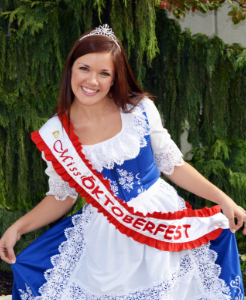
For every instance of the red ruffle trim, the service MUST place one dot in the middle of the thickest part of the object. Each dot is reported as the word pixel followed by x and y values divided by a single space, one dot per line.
pixel 161 245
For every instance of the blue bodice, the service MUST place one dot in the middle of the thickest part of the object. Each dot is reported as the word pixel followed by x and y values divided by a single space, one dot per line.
pixel 135 175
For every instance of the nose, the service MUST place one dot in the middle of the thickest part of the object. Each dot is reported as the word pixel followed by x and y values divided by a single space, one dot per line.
pixel 92 79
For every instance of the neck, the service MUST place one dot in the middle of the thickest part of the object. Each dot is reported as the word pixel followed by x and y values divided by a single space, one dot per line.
pixel 91 113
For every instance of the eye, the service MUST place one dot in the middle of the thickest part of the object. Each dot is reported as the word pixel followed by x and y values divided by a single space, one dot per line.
pixel 105 74
pixel 84 69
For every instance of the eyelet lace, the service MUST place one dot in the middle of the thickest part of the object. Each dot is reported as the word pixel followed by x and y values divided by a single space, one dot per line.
pixel 61 190
pixel 125 145
pixel 168 159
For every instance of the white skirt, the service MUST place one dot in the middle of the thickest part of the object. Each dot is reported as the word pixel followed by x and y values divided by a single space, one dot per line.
pixel 109 265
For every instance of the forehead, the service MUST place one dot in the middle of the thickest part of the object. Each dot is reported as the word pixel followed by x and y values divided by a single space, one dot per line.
pixel 102 60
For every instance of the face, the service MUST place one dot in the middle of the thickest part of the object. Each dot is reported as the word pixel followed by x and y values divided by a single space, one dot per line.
pixel 92 78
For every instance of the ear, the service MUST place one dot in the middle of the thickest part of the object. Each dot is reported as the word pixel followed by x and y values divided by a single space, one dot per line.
pixel 112 83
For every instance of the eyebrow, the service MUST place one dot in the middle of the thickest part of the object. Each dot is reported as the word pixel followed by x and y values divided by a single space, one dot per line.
pixel 79 63
pixel 89 67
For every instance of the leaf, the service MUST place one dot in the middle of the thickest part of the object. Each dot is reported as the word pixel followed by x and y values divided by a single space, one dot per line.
pixel 231 13
pixel 236 21
pixel 239 15
pixel 204 7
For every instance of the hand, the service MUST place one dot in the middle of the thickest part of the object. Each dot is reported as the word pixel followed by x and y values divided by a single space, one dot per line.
pixel 231 210
pixel 7 243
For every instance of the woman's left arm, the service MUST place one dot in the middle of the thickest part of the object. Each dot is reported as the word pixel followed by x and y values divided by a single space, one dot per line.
pixel 191 180
pixel 168 159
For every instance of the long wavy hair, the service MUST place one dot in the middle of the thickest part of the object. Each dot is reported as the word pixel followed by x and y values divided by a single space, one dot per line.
pixel 125 89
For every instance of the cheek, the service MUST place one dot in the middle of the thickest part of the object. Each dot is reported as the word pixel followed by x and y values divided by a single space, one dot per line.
pixel 108 84
pixel 75 80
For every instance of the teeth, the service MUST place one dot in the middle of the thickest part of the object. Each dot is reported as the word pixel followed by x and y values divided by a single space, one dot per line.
pixel 89 91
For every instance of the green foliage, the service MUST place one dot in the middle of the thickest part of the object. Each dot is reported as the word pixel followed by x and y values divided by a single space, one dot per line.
pixel 197 80
pixel 223 164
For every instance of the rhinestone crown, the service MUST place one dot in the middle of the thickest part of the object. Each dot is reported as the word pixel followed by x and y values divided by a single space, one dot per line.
pixel 103 30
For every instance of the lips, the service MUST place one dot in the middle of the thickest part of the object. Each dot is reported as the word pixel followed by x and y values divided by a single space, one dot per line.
pixel 89 91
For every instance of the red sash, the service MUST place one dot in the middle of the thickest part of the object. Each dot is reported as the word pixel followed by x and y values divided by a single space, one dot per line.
pixel 165 231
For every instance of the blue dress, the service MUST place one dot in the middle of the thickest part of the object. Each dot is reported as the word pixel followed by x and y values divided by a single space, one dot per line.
pixel 86 257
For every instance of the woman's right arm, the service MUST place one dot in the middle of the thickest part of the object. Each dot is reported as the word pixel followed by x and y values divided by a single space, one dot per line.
pixel 46 212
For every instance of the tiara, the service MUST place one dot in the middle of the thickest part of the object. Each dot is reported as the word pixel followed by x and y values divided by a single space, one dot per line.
pixel 103 30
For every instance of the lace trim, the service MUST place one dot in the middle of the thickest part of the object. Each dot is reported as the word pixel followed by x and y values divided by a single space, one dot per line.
pixel 170 190
pixel 61 190
pixel 207 273
pixel 125 145
pixel 181 204
pixel 168 159
pixel 198 262
pixel 156 291
pixel 65 262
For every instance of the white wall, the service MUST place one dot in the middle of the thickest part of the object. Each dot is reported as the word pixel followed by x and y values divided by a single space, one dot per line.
pixel 197 22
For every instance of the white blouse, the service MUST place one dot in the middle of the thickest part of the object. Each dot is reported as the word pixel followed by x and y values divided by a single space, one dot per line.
pixel 125 145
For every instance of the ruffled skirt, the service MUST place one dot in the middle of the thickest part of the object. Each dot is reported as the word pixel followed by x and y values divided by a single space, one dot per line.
pixel 85 257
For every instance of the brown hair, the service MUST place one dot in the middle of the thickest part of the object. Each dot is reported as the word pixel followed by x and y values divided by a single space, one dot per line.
pixel 125 89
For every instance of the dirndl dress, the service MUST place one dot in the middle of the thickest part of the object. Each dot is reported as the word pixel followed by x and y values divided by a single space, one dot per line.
pixel 86 257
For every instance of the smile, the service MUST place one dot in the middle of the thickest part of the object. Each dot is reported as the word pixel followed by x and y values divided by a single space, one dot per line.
pixel 89 91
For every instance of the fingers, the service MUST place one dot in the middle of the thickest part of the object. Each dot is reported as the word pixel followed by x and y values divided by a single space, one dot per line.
pixel 239 223
pixel 232 224
pixel 4 255
pixel 244 228
pixel 241 218
pixel 7 254
pixel 11 254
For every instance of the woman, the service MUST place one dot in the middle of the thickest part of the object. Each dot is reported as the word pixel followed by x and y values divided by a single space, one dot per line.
pixel 151 245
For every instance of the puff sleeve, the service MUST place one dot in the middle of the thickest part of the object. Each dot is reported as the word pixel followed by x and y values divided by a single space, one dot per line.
pixel 57 186
pixel 166 153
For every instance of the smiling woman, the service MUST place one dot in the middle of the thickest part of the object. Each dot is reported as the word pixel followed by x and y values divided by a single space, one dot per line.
pixel 93 78
pixel 97 72
pixel 136 238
